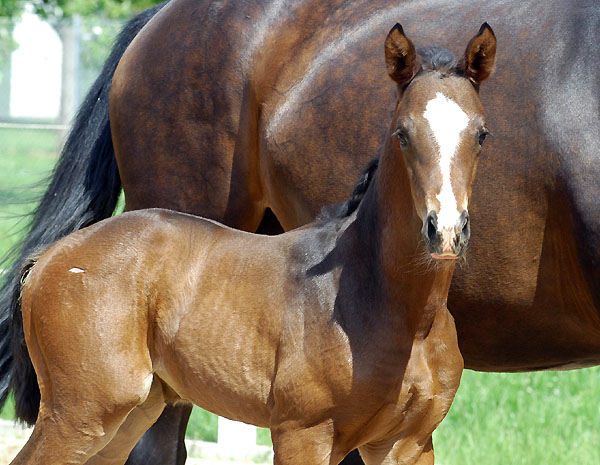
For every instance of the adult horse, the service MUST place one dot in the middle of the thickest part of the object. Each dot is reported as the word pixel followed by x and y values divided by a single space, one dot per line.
pixel 225 109
pixel 342 335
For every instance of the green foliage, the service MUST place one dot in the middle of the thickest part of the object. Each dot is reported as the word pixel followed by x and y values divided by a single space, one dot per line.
pixel 97 35
pixel 7 42
pixel 8 412
pixel 109 8
pixel 10 8
pixel 55 10
pixel 263 437
pixel 203 425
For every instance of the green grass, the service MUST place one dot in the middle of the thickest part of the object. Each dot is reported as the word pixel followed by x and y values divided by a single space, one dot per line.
pixel 263 437
pixel 26 158
pixel 202 425
pixel 528 418
pixel 496 419
pixel 8 412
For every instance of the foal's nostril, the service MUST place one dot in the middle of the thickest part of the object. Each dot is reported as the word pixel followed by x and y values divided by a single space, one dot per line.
pixel 464 226
pixel 432 226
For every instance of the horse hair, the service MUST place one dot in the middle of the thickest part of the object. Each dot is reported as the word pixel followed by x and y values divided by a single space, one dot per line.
pixel 438 60
pixel 345 209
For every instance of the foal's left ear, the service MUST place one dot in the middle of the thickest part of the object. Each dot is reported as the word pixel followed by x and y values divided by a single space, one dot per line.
pixel 480 56
pixel 401 59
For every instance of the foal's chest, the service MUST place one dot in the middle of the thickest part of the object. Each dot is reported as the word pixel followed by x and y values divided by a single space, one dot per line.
pixel 428 386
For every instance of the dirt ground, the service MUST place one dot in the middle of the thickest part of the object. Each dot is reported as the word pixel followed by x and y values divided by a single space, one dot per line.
pixel 13 437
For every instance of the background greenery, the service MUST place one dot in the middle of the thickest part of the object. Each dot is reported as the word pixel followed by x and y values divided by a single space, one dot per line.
pixel 547 418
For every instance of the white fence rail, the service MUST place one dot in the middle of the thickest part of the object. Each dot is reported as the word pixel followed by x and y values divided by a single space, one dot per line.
pixel 43 127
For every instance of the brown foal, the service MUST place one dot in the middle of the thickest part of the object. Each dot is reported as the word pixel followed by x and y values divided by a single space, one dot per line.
pixel 335 335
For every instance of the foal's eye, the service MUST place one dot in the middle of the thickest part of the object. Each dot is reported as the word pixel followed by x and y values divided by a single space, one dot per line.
pixel 482 135
pixel 401 135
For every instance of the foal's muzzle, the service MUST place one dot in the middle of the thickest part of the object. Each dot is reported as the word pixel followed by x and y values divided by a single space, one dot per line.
pixel 449 242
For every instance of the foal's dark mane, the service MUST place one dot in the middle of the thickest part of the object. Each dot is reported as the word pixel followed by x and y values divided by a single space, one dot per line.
pixel 345 209
pixel 439 60
pixel 433 59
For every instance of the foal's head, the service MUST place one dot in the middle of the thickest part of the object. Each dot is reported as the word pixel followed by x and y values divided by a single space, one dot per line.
pixel 439 128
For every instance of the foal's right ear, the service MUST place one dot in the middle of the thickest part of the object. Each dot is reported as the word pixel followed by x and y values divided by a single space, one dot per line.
pixel 401 59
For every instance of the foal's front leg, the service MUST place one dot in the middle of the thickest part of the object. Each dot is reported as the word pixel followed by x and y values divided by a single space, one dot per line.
pixel 401 452
pixel 426 457
pixel 301 446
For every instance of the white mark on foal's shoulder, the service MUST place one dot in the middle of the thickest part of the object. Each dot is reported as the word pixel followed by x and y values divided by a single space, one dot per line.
pixel 447 120
pixel 76 270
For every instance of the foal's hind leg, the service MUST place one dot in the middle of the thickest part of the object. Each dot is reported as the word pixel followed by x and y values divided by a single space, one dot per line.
pixel 136 424
pixel 72 428
pixel 92 373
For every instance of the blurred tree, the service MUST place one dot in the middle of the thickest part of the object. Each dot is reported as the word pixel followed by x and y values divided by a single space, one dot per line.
pixel 7 43
pixel 55 10
pixel 86 28
pixel 8 9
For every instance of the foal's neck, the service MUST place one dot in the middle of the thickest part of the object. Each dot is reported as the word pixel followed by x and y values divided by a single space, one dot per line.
pixel 411 282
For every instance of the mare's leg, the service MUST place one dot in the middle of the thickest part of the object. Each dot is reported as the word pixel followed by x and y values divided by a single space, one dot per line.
pixel 405 452
pixel 164 442
pixel 136 424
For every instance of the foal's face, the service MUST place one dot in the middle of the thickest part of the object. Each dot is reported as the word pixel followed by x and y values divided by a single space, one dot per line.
pixel 439 130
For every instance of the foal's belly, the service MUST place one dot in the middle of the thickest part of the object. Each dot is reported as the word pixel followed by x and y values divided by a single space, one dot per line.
pixel 220 366
pixel 216 313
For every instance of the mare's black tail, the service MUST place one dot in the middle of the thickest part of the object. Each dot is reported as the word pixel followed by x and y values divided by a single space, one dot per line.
pixel 84 188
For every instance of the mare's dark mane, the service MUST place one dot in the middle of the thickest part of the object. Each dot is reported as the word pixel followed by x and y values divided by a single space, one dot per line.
pixel 433 59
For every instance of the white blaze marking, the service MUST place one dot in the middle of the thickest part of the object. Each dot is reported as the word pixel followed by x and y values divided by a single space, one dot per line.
pixel 447 120
pixel 76 270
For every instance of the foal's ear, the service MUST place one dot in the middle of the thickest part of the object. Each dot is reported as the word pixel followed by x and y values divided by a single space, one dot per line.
pixel 401 59
pixel 480 56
